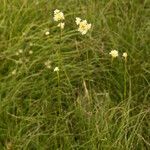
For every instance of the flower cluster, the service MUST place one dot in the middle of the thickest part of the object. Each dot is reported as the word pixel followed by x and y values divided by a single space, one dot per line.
pixel 114 54
pixel 47 33
pixel 48 64
pixel 14 72
pixel 83 26
pixel 61 25
pixel 56 69
pixel 125 55
pixel 30 52
pixel 59 16
pixel 20 51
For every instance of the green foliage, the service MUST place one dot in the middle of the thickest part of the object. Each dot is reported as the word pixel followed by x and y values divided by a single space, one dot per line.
pixel 92 102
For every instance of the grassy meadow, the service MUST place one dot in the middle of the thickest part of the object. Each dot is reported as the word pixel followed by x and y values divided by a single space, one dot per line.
pixel 61 90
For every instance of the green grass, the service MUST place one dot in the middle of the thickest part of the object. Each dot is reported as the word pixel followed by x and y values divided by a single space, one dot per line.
pixel 92 103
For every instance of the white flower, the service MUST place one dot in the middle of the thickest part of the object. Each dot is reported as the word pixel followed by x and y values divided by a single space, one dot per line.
pixel 89 26
pixel 30 52
pixel 14 72
pixel 47 33
pixel 20 51
pixel 125 55
pixel 58 15
pixel 84 27
pixel 56 11
pixel 78 20
pixel 114 53
pixel 56 69
pixel 61 25
pixel 48 64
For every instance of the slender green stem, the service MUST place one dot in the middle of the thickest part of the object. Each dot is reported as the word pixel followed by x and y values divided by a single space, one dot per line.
pixel 125 78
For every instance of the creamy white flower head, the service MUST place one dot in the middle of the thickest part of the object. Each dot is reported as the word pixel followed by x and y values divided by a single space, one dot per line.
pixel 47 33
pixel 58 15
pixel 84 22
pixel 20 51
pixel 48 64
pixel 114 53
pixel 125 55
pixel 56 69
pixel 56 11
pixel 78 20
pixel 89 26
pixel 14 72
pixel 61 25
pixel 84 27
pixel 30 52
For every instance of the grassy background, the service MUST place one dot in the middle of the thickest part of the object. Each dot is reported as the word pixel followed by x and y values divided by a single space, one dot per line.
pixel 92 103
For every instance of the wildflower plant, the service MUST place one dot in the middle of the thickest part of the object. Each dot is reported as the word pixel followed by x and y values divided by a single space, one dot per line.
pixel 14 72
pixel 125 55
pixel 48 64
pixel 58 87
pixel 58 15
pixel 78 20
pixel 61 25
pixel 114 53
pixel 20 51
pixel 30 52
pixel 83 26
pixel 47 33
pixel 56 69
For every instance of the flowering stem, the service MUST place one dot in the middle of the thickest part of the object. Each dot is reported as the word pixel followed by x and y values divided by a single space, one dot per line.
pixel 112 61
pixel 125 79
pixel 58 78
pixel 58 75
